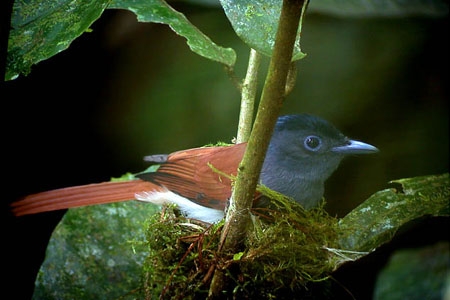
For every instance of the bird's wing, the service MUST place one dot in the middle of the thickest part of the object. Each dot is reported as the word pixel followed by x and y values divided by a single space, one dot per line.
pixel 76 196
pixel 187 173
pixel 200 174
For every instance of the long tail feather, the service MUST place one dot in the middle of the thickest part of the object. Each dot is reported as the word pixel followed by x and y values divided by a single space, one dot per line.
pixel 91 194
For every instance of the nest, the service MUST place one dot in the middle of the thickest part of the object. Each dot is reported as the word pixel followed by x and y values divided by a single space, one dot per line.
pixel 286 250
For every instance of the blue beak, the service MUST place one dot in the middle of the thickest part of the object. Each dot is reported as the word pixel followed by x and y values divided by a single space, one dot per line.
pixel 355 147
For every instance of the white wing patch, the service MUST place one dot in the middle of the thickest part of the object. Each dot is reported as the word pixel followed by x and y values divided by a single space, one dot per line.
pixel 187 207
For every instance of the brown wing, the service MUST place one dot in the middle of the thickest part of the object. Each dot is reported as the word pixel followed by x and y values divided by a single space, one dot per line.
pixel 197 174
pixel 185 172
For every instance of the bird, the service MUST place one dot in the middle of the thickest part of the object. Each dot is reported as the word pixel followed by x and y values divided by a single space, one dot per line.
pixel 303 152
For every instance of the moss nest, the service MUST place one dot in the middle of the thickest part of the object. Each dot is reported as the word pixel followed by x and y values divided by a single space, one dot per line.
pixel 286 250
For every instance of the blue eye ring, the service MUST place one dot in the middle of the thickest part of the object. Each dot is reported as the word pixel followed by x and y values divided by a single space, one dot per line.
pixel 312 143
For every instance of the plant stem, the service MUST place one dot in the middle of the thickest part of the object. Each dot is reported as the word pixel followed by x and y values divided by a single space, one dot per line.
pixel 248 95
pixel 274 92
pixel 270 105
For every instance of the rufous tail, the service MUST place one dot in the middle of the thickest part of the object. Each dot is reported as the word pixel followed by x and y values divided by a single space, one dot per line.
pixel 83 195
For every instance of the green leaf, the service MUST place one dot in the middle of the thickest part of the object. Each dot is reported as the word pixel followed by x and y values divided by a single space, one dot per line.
pixel 96 252
pixel 238 256
pixel 375 221
pixel 158 11
pixel 419 273
pixel 256 23
pixel 125 177
pixel 41 29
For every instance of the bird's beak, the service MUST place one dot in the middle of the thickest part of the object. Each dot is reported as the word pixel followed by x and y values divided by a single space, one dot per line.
pixel 355 147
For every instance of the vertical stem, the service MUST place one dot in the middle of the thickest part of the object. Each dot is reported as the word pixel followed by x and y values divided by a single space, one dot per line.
pixel 274 92
pixel 248 95
pixel 270 105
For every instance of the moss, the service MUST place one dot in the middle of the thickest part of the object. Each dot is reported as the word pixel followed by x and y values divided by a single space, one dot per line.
pixel 285 251
pixel 288 248
pixel 181 252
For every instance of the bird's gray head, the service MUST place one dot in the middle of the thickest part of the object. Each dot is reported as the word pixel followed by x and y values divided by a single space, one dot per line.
pixel 303 152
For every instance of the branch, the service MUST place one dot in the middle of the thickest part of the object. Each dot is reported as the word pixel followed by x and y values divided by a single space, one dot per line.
pixel 274 92
pixel 270 105
pixel 248 93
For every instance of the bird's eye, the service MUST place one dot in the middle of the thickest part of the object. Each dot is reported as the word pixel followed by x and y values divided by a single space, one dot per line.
pixel 312 143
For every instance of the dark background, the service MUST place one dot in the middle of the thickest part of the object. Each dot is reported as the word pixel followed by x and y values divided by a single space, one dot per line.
pixel 128 89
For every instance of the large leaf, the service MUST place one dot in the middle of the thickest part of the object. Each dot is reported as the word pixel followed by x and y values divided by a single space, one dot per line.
pixel 41 29
pixel 256 23
pixel 158 11
pixel 96 252
pixel 418 273
pixel 375 221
